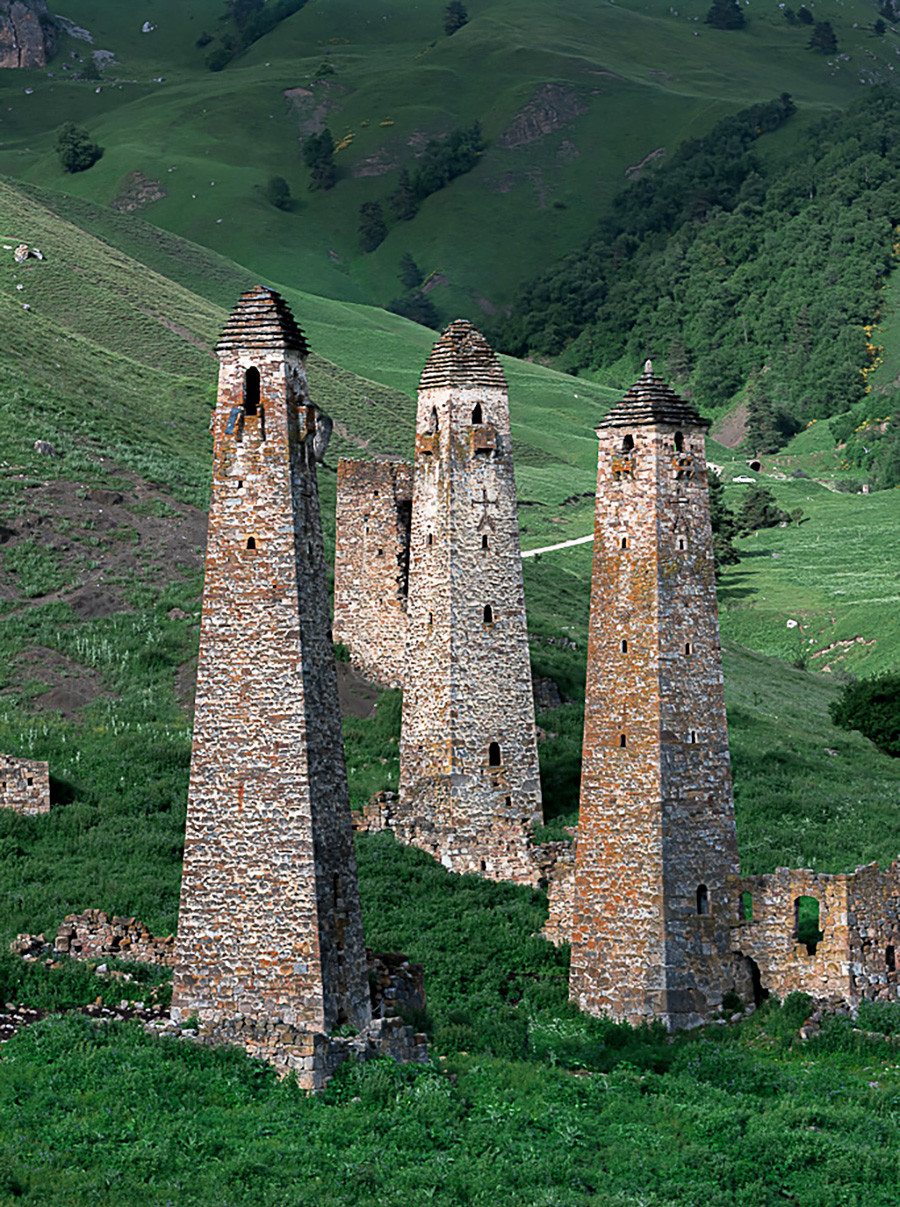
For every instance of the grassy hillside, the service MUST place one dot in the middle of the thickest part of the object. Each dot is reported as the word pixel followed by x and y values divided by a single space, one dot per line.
pixel 571 101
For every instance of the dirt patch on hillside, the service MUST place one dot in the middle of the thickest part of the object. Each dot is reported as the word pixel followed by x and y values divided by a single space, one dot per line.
pixel 731 429
pixel 357 695
pixel 91 545
pixel 310 107
pixel 137 191
pixel 70 686
pixel 551 107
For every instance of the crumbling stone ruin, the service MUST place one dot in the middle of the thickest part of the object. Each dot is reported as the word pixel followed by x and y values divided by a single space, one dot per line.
pixel 656 846
pixel 24 785
pixel 371 565
pixel 270 940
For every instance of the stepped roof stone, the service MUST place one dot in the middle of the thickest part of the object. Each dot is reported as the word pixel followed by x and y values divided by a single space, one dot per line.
pixel 651 400
pixel 261 319
pixel 462 358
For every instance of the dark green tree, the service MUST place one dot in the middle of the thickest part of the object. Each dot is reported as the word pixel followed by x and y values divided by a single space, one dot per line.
pixel 759 509
pixel 725 14
pixel 724 525
pixel 804 16
pixel 76 149
pixel 790 16
pixel 372 227
pixel 278 192
pixel 410 275
pixel 823 38
pixel 318 155
pixel 90 70
pixel 416 306
pixel 880 28
pixel 873 707
pixel 455 17
pixel 403 201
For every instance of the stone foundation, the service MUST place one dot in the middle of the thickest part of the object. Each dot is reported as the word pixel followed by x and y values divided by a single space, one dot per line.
pixel 24 785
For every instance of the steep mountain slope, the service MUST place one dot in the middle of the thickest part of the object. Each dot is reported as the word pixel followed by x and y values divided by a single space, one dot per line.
pixel 572 102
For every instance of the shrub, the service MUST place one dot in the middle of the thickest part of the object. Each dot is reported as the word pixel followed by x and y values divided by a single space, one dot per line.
pixel 873 707
pixel 278 192
pixel 760 510
pixel 75 148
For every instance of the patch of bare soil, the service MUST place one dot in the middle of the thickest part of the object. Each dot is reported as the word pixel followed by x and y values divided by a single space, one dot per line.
pixel 552 106
pixel 357 695
pixel 136 191
pixel 376 165
pixel 310 106
pixel 105 540
pixel 731 429
pixel 70 686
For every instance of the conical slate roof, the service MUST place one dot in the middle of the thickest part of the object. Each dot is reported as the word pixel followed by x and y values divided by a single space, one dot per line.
pixel 262 319
pixel 650 400
pixel 462 357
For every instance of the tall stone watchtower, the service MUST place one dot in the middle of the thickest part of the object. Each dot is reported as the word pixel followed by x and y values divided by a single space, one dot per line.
pixel 270 926
pixel 656 837
pixel 469 785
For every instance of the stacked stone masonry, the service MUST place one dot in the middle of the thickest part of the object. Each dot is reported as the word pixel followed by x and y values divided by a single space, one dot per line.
pixel 94 935
pixel 371 565
pixel 270 930
pixel 469 783
pixel 656 849
pixel 24 785
pixel 858 920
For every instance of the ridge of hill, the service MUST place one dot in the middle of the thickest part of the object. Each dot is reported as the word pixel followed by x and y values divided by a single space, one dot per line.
pixel 572 103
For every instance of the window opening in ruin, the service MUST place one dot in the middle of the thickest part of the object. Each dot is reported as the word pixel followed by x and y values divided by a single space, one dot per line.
pixel 494 754
pixel 251 391
pixel 679 442
pixel 309 548
pixel 689 647
pixel 623 741
pixel 624 646
pixel 890 959
pixel 624 542
pixel 483 866
pixel 702 899
pixel 747 906
pixel 484 541
pixel 488 614
pixel 251 542
pixel 806 923
pixel 30 782
pixel 476 413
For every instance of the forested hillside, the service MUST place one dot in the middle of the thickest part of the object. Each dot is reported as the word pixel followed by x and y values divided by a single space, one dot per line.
pixel 752 275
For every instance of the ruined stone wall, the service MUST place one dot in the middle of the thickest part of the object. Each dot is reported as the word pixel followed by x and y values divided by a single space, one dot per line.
pixel 269 925
pixel 469 785
pixel 859 920
pixel 371 565
pixel 656 838
pixel 94 935
pixel 24 785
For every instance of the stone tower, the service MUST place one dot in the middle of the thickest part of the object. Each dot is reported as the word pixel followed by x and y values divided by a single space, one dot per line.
pixel 656 841
pixel 269 929
pixel 469 785
pixel 371 565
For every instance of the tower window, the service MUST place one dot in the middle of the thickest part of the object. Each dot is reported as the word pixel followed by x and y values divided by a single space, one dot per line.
pixel 484 541
pixel 623 741
pixel 251 391
pixel 806 923
pixel 29 781
pixel 693 737
pixel 627 444
pixel 624 542
pixel 429 540
pixel 379 553
pixel 251 542
pixel 624 646
pixel 689 647
pixel 890 959
pixel 702 899
pixel 679 442
pixel 477 416
pixel 431 617
pixel 433 424
pixel 494 754
pixel 488 614
pixel 747 906
pixel 682 543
